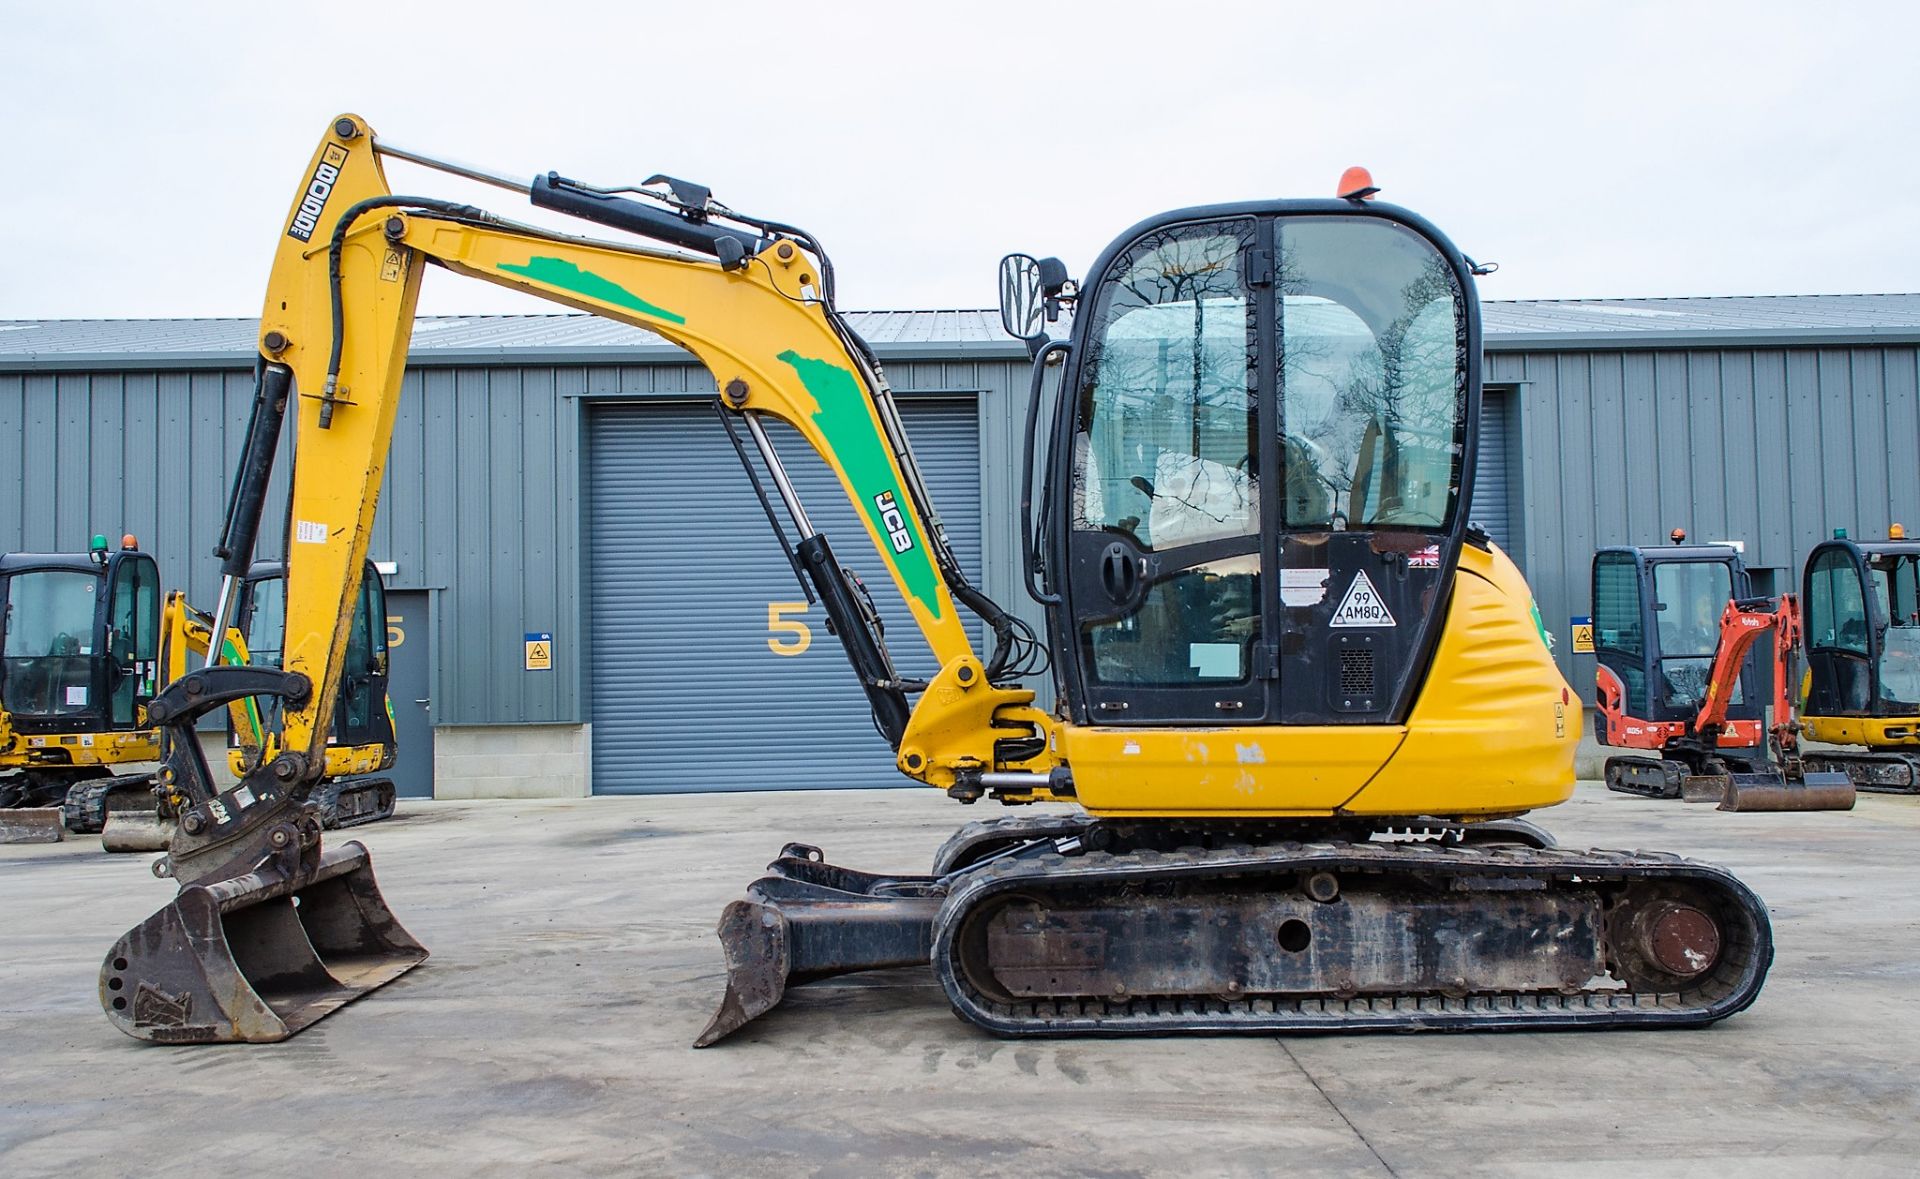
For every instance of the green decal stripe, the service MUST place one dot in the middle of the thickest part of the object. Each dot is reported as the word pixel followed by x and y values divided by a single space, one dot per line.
pixel 229 653
pixel 847 422
pixel 558 272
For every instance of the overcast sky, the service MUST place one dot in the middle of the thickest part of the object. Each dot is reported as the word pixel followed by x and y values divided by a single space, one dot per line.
pixel 1604 149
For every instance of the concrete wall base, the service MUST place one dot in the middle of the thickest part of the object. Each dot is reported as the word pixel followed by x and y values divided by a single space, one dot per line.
pixel 513 761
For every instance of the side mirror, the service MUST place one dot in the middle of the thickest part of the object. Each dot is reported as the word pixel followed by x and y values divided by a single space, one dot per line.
pixel 1022 306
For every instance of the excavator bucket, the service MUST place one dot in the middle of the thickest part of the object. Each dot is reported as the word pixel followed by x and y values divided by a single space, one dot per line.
pixel 34 824
pixel 136 831
pixel 257 957
pixel 1777 792
pixel 1771 790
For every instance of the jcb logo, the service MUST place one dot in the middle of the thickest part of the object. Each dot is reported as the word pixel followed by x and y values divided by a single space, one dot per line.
pixel 893 521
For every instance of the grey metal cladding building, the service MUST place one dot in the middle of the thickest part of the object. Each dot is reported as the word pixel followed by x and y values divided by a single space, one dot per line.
pixel 564 475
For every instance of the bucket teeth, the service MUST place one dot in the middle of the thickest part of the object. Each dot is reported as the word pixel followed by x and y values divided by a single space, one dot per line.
pixel 257 957
pixel 754 937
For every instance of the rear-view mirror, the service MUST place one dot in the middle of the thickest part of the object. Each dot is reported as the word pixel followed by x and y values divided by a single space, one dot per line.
pixel 1022 307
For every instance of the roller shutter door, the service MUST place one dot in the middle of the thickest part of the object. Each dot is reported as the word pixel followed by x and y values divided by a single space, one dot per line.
pixel 1491 498
pixel 687 693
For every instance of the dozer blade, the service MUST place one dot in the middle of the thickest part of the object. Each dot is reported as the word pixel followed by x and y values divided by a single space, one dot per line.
pixel 136 831
pixel 1710 788
pixel 34 824
pixel 257 957
pixel 1776 792
pixel 754 938
pixel 808 920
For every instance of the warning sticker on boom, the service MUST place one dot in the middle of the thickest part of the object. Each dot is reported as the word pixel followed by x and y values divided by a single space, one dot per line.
pixel 1363 605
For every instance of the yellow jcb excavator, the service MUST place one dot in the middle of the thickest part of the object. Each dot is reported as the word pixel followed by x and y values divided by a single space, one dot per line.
pixel 79 659
pixel 361 742
pixel 1279 649
pixel 87 640
pixel 1863 653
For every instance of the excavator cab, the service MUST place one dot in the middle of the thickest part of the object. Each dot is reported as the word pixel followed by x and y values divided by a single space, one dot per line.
pixel 78 665
pixel 1259 468
pixel 361 714
pixel 1656 625
pixel 361 739
pixel 1863 660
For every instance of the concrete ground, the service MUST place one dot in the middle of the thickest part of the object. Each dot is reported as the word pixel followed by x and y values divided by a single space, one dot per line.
pixel 574 960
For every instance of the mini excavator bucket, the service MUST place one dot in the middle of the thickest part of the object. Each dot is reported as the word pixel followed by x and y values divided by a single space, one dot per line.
pixel 136 831
pixel 257 957
pixel 1771 790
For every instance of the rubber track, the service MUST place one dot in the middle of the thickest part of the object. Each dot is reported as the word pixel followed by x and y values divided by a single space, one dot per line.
pixel 1736 978
pixel 85 810
pixel 326 801
pixel 1008 829
pixel 1622 776
pixel 1846 763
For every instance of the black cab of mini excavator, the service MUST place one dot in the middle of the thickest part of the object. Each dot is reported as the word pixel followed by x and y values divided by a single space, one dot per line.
pixel 1862 603
pixel 1331 346
pixel 79 645
pixel 1656 625
pixel 361 713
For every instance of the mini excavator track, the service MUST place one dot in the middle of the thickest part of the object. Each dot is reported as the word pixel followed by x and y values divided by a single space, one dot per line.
pixel 1348 937
pixel 1055 926
pixel 1891 772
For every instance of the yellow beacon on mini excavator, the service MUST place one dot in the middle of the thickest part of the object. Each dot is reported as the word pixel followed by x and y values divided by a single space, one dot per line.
pixel 1298 698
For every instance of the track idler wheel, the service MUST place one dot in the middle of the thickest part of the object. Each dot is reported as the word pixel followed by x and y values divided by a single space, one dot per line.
pixel 1662 939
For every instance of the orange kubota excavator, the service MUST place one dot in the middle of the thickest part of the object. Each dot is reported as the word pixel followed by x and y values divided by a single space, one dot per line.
pixel 1674 631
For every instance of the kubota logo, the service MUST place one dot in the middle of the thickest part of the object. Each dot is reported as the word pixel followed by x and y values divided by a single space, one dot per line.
pixel 893 521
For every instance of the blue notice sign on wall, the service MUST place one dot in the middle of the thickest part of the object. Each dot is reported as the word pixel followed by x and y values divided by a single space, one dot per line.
pixel 539 651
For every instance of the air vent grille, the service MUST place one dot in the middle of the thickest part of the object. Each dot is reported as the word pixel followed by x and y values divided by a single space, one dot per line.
pixel 1356 672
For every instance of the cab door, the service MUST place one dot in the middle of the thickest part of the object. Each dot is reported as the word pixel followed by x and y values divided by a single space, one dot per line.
pixel 131 667
pixel 1164 554
pixel 362 718
pixel 1268 442
pixel 1838 633
pixel 1620 627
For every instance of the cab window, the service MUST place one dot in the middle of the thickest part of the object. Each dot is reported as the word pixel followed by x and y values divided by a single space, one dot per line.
pixel 1373 377
pixel 1166 439
pixel 49 641
pixel 1689 599
pixel 1836 608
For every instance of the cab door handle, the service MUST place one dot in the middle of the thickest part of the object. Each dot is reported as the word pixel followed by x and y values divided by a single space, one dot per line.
pixel 1119 573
